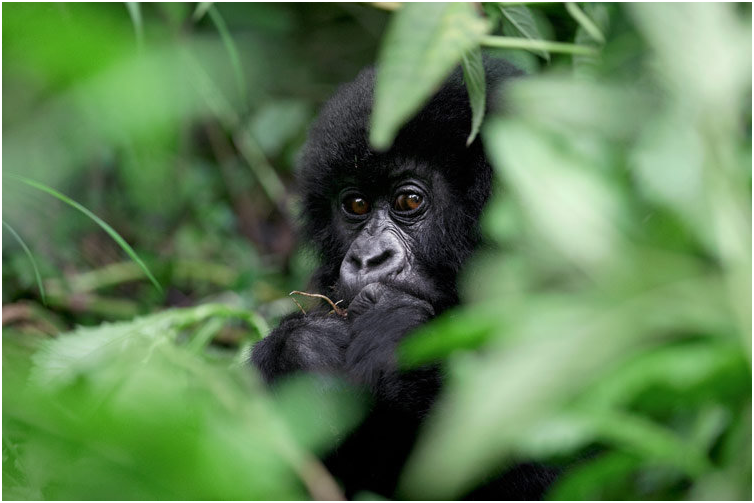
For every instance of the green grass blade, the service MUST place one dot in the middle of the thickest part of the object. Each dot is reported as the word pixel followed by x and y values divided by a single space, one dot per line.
pixel 31 259
pixel 113 234
pixel 230 46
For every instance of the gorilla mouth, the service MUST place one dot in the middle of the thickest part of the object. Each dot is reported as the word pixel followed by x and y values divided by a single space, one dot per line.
pixel 406 280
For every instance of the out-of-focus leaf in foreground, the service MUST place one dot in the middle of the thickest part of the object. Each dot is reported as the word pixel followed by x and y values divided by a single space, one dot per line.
pixel 423 43
pixel 519 22
pixel 613 330
pixel 131 411
pixel 473 76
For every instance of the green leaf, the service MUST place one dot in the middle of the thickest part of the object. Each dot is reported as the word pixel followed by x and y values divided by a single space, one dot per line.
pixel 568 203
pixel 200 11
pixel 113 234
pixel 519 22
pixel 230 46
pixel 423 43
pixel 585 22
pixel 86 349
pixel 31 259
pixel 473 75
pixel 598 18
pixel 594 478
pixel 465 329
pixel 134 11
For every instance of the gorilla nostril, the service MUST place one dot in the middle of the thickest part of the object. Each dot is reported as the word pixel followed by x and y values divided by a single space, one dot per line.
pixel 377 260
pixel 354 260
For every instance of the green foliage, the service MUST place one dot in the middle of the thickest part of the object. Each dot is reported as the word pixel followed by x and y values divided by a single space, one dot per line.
pixel 473 76
pixel 33 262
pixel 613 336
pixel 110 231
pixel 519 22
pixel 424 42
pixel 129 410
pixel 606 327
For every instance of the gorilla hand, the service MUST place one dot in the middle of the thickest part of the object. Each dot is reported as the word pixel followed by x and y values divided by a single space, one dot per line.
pixel 313 342
pixel 381 317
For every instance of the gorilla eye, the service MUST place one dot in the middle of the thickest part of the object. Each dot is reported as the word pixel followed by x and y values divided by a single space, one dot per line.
pixel 356 205
pixel 408 202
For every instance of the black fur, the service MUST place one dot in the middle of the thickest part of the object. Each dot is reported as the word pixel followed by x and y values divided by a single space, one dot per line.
pixel 394 270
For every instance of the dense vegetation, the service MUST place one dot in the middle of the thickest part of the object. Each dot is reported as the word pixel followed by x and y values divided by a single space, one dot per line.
pixel 148 208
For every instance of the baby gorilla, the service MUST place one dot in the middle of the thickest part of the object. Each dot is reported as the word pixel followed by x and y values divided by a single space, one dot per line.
pixel 393 229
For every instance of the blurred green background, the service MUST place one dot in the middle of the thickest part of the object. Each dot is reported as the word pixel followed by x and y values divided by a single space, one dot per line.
pixel 606 325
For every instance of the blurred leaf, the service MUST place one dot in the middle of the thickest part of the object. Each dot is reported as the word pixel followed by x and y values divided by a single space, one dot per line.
pixel 230 47
pixel 473 76
pixel 678 367
pixel 454 330
pixel 65 43
pixel 134 11
pixel 586 65
pixel 63 359
pixel 724 51
pixel 571 207
pixel 278 122
pixel 585 22
pixel 200 10
pixel 169 427
pixel 521 23
pixel 575 107
pixel 597 479
pixel 319 411
pixel 423 43
pixel 544 355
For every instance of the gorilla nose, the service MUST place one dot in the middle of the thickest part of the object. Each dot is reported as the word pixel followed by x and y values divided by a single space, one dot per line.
pixel 372 260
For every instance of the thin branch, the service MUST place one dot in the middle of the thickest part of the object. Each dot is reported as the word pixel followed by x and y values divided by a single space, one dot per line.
pixel 540 45
pixel 339 311
pixel 297 303
pixel 584 21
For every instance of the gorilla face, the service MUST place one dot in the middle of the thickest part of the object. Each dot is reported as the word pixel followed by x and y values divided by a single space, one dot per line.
pixel 387 222
pixel 408 217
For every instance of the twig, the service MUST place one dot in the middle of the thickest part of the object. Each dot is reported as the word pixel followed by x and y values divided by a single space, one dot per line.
pixel 335 308
pixel 299 305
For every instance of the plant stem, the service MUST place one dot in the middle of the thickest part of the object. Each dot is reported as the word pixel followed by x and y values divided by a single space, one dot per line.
pixel 584 21
pixel 537 45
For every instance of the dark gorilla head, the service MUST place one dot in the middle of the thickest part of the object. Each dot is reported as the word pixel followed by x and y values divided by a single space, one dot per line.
pixel 407 217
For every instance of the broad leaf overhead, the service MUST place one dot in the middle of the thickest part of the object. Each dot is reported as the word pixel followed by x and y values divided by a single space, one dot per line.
pixel 423 44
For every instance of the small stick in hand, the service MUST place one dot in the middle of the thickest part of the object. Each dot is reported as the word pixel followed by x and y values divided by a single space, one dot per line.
pixel 337 310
